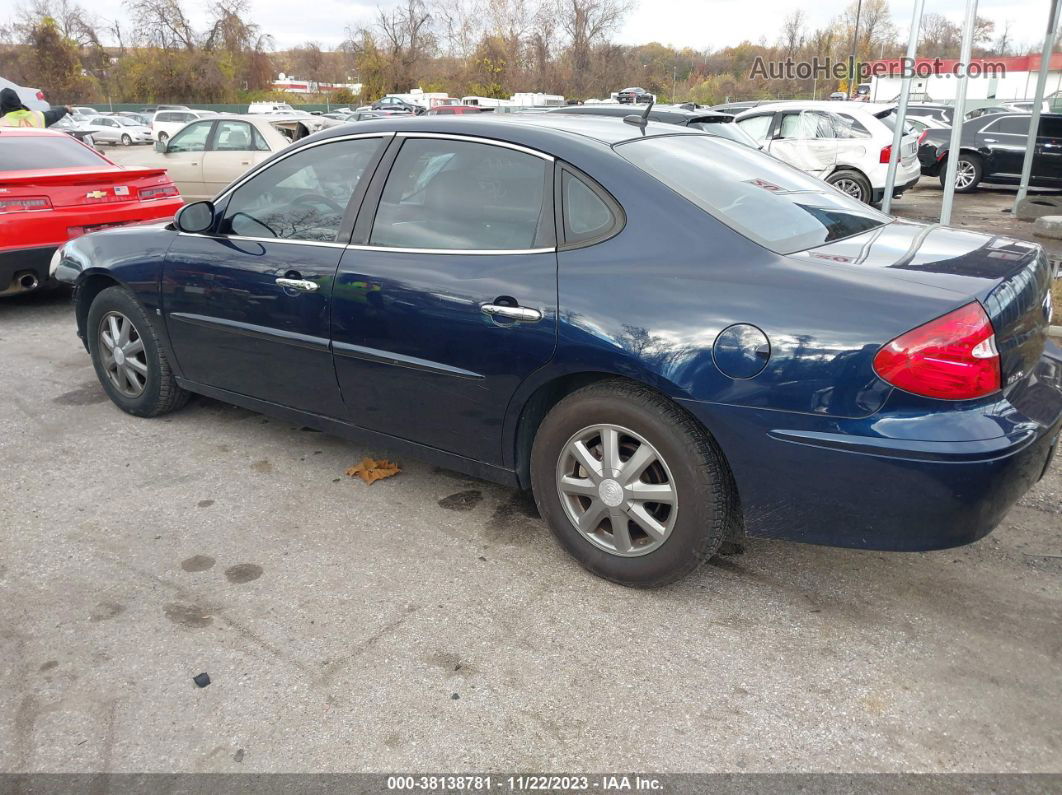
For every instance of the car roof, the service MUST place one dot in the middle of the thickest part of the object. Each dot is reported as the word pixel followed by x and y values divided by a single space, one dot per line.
pixel 669 112
pixel 531 128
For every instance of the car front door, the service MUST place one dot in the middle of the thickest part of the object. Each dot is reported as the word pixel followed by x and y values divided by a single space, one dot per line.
pixel 1047 165
pixel 247 307
pixel 183 159
pixel 234 149
pixel 447 299
pixel 104 130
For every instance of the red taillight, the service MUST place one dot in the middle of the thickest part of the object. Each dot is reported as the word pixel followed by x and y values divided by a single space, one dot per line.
pixel 886 153
pixel 953 357
pixel 922 136
pixel 25 204
pixel 159 192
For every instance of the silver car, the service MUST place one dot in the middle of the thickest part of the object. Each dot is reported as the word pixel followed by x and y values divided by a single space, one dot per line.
pixel 118 130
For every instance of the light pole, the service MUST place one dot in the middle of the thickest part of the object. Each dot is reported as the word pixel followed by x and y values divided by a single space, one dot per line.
pixel 852 57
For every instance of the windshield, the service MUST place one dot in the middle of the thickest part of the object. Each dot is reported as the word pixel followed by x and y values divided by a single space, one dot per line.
pixel 29 153
pixel 125 121
pixel 767 201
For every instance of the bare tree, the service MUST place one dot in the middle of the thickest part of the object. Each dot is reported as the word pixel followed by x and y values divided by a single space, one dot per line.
pixel 162 23
pixel 586 23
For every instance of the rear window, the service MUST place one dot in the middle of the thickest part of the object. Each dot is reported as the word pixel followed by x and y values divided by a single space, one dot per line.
pixel 29 153
pixel 767 201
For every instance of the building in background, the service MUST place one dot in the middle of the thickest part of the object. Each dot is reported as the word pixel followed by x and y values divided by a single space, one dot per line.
pixel 996 78
pixel 292 85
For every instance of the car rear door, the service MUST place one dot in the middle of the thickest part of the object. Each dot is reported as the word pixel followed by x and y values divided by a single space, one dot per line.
pixel 235 147
pixel 447 298
pixel 1047 165
pixel 247 307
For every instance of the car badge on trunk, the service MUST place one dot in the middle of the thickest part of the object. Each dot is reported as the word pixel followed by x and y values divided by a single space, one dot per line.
pixel 96 194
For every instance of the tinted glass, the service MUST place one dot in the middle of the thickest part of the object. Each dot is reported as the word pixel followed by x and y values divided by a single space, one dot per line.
pixel 586 215
pixel 444 194
pixel 302 197
pixel 1049 128
pixel 25 153
pixel 1012 125
pixel 192 138
pixel 773 204
pixel 757 126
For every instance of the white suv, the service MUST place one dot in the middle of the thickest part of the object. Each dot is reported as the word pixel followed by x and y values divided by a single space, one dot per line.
pixel 166 122
pixel 845 143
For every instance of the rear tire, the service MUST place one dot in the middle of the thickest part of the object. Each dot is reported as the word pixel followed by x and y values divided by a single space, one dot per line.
pixel 657 542
pixel 968 172
pixel 851 182
pixel 138 379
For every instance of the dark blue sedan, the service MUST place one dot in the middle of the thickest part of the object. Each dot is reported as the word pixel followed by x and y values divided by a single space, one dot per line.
pixel 673 339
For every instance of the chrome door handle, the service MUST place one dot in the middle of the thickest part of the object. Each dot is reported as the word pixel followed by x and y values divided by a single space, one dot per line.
pixel 303 285
pixel 521 313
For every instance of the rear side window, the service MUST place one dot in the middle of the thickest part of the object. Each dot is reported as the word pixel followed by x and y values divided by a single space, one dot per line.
pixel 767 201
pixel 588 215
pixel 29 153
pixel 446 194
pixel 1049 128
pixel 757 126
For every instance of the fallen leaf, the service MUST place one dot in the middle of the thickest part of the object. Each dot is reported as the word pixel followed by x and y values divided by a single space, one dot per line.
pixel 370 470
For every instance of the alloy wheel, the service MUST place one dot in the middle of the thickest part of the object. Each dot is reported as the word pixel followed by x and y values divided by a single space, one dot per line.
pixel 964 174
pixel 851 187
pixel 122 354
pixel 617 489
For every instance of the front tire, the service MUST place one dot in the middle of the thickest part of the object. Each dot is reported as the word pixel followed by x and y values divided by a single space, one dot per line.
pixel 851 182
pixel 129 361
pixel 126 140
pixel 968 173
pixel 630 484
pixel 163 138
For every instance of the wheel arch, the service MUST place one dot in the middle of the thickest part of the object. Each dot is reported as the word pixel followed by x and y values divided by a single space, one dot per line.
pixel 88 287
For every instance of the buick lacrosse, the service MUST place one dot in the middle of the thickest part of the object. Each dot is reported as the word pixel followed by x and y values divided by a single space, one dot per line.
pixel 674 340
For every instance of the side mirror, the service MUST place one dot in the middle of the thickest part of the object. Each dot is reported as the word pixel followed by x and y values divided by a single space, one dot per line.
pixel 197 217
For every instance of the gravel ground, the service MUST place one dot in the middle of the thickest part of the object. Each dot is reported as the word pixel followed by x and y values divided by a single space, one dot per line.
pixel 428 622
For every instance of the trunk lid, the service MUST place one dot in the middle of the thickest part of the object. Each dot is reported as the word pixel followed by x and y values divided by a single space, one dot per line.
pixel 1011 278
pixel 71 188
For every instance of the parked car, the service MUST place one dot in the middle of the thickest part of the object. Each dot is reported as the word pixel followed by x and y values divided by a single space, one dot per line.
pixel 83 110
pixel 54 188
pixel 666 335
pixel 988 110
pixel 396 104
pixel 921 123
pixel 141 118
pixel 1026 106
pixel 269 107
pixel 209 154
pixel 76 126
pixel 634 96
pixel 166 122
pixel 838 96
pixel 734 108
pixel 709 121
pixel 32 98
pixel 117 130
pixel 848 144
pixel 992 149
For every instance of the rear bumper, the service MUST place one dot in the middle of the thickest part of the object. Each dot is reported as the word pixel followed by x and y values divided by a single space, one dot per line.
pixel 844 483
pixel 15 262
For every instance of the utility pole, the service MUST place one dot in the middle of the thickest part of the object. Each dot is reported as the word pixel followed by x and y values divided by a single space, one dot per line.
pixel 852 57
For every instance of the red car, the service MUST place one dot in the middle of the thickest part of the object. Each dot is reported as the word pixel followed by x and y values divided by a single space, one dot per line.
pixel 53 188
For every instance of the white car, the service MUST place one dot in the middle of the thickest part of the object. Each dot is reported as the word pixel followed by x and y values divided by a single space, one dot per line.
pixel 204 157
pixel 166 122
pixel 847 144
pixel 117 130
pixel 32 98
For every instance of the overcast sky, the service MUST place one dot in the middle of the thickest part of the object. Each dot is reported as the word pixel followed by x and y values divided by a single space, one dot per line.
pixel 692 23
